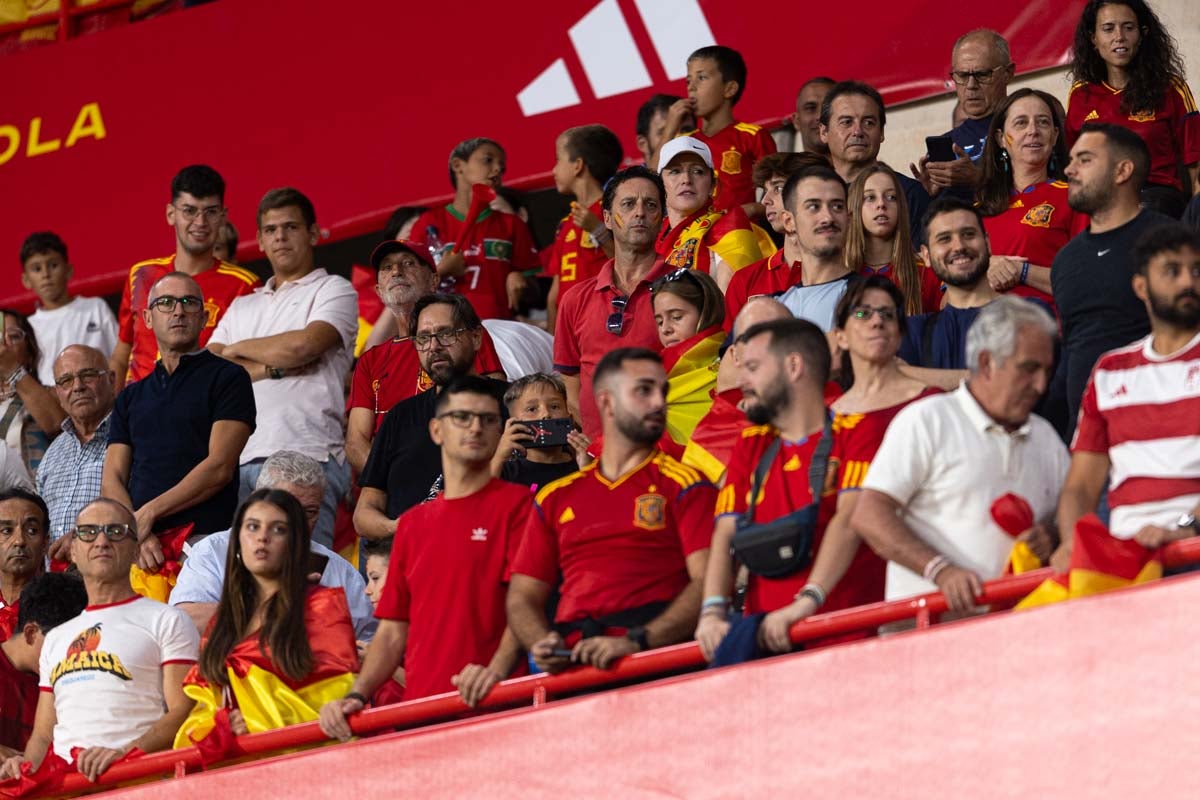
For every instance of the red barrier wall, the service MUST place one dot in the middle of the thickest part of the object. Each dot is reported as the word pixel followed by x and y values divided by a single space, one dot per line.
pixel 358 105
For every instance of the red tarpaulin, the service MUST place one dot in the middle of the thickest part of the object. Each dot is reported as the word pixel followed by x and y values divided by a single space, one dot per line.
pixel 358 105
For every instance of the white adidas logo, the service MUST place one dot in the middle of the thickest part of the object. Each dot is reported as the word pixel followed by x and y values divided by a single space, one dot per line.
pixel 609 55
pixel 479 535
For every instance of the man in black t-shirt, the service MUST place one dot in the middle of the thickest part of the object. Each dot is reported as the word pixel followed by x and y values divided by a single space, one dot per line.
pixel 404 462
pixel 1092 275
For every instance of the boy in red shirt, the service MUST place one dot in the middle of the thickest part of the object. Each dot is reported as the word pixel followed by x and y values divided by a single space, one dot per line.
pixel 585 158
pixel 716 80
pixel 487 269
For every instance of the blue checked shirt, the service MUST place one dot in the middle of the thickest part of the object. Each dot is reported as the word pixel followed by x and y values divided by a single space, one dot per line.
pixel 69 475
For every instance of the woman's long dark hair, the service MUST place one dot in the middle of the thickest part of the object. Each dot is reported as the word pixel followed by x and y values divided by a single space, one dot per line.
pixel 1154 66
pixel 904 258
pixel 697 289
pixel 996 187
pixel 855 292
pixel 283 634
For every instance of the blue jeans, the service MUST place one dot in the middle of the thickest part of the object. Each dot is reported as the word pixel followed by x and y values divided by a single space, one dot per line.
pixel 337 483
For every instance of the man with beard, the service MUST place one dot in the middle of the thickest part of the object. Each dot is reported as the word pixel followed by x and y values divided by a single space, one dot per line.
pixel 1140 417
pixel 956 249
pixel 24 524
pixel 404 461
pixel 613 308
pixel 629 535
pixel 925 503
pixel 391 371
pixel 814 213
pixel 1092 275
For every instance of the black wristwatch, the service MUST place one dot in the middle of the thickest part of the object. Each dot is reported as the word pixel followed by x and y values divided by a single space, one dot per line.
pixel 637 635
pixel 274 373
pixel 359 696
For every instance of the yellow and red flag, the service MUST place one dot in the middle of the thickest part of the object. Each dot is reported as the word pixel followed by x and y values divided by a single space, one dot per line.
pixel 691 377
pixel 158 585
pixel 711 445
pixel 370 307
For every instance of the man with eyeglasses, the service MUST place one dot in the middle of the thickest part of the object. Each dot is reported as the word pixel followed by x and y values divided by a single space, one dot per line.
pixel 613 308
pixel 442 610
pixel 174 438
pixel 23 523
pixel 69 475
pixel 196 213
pixel 295 338
pixel 404 461
pixel 112 677
pixel 981 68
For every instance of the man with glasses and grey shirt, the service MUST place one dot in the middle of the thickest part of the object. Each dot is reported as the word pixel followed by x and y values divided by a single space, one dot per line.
pixel 175 437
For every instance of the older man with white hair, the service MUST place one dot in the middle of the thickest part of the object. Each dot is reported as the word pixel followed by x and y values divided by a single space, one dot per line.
pixel 925 504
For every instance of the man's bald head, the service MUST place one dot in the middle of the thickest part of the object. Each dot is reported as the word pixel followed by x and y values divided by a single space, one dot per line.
pixel 109 507
pixel 759 309
pixel 82 355
pixel 180 281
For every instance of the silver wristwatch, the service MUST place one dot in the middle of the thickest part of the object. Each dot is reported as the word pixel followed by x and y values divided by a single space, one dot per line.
pixel 1188 520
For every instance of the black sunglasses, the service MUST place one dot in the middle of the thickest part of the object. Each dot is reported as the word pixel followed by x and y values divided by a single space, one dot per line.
pixel 616 320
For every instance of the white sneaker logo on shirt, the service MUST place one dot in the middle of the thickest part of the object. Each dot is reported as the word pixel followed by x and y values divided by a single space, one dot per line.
pixel 1103 253
pixel 479 535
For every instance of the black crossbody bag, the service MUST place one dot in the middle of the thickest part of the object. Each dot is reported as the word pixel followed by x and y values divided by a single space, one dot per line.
pixel 784 545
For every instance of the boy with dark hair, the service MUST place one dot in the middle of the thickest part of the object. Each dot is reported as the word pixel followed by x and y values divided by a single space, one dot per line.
pixel 487 268
pixel 659 119
pixel 585 158
pixel 197 213
pixel 716 80
pixel 61 319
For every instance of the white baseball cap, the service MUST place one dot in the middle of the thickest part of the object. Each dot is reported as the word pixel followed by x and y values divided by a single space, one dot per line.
pixel 680 145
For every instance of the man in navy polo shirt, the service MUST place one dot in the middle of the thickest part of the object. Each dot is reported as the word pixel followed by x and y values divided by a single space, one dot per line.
pixel 175 437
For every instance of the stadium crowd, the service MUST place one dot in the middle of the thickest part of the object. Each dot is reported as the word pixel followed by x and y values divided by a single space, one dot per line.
pixel 769 383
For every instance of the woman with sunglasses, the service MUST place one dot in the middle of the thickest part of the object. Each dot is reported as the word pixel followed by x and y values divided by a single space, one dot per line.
pixel 879 241
pixel 869 324
pixel 278 647
pixel 1023 194
pixel 30 415
pixel 1128 72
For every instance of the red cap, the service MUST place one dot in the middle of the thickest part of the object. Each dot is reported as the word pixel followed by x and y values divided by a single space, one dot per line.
pixel 402 246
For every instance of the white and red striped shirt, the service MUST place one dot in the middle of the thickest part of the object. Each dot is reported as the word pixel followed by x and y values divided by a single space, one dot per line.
pixel 1142 410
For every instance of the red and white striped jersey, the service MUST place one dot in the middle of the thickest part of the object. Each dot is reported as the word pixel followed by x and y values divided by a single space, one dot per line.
pixel 1142 409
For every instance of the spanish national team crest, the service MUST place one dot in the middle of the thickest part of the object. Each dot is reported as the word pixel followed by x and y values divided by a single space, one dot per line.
pixel 1039 216
pixel 650 512
pixel 731 162
pixel 424 382
pixel 1142 116
pixel 683 256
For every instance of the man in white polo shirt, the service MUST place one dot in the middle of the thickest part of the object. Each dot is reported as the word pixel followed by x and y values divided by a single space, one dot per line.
pixel 926 503
pixel 295 336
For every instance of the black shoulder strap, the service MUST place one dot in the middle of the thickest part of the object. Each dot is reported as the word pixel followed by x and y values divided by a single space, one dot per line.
pixel 760 475
pixel 927 338
pixel 820 460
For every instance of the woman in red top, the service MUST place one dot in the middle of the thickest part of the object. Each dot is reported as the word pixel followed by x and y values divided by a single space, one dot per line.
pixel 1129 72
pixel 878 240
pixel 1023 195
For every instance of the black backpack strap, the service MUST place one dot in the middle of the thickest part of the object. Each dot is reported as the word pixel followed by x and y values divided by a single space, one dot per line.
pixel 927 339
pixel 760 475
pixel 820 460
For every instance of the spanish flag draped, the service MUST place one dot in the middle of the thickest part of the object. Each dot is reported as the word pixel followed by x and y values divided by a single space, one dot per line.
pixel 1099 563
pixel 267 700
pixel 691 377
pixel 370 307
pixel 729 234
pixel 712 441
pixel 158 585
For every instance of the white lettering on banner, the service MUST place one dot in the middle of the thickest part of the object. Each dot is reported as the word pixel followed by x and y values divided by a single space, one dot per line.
pixel 609 54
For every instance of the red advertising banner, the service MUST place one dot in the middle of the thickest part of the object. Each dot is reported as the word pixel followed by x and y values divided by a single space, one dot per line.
pixel 358 105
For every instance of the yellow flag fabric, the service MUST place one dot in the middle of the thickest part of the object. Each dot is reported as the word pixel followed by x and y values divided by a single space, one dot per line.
pixel 691 377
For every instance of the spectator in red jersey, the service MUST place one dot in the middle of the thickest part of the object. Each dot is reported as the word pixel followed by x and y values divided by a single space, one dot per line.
pixel 196 213
pixel 627 534
pixel 227 244
pixel 1128 72
pixel 585 158
pixel 716 81
pixel 696 234
pixel 399 227
pixel 925 504
pixel 780 270
pixel 24 535
pixel 1023 195
pixel 487 269
pixel 46 602
pixel 30 415
pixel 814 212
pixel 852 124
pixel 807 118
pixel 878 241
pixel 61 319
pixel 442 613
pixel 614 307
pixel 519 457
pixel 391 371
pixel 1138 423
pixel 659 120
pixel 404 461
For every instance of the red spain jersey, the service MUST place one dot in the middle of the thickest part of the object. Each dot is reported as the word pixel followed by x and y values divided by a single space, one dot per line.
pixel 1171 131
pixel 500 244
pixel 18 702
pixel 447 579
pixel 222 284
pixel 575 256
pixel 931 285
pixel 390 372
pixel 1035 227
pixel 768 276
pixel 735 150
pixel 619 544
